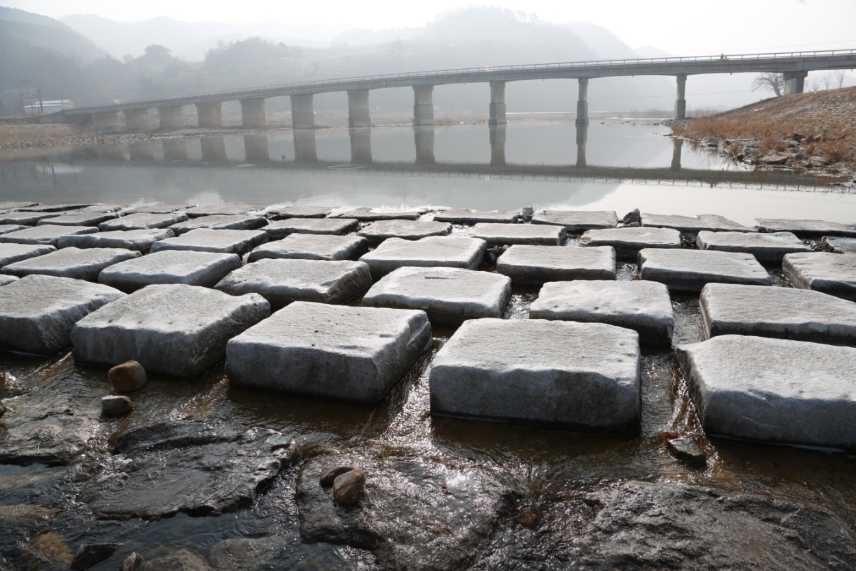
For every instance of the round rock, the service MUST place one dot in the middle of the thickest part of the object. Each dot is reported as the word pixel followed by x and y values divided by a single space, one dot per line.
pixel 127 377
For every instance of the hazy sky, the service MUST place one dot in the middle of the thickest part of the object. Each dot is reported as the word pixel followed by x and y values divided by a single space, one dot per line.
pixel 681 27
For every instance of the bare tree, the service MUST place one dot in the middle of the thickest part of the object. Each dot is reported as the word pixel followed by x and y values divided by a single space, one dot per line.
pixel 772 81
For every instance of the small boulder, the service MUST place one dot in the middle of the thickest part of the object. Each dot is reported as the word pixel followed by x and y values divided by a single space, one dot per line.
pixel 687 450
pixel 774 158
pixel 349 488
pixel 127 377
pixel 632 218
pixel 133 562
pixel 92 554
pixel 327 479
pixel 114 406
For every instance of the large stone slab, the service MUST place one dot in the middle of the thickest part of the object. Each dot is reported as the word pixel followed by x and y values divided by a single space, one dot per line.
pixel 584 375
pixel 24 218
pixel 628 241
pixel 79 218
pixel 778 312
pixel 841 245
pixel 370 214
pixel 766 247
pixel 774 390
pixel 336 351
pixel 83 264
pixel 176 330
pixel 6 228
pixel 56 207
pixel 469 216
pixel 13 204
pixel 448 295
pixel 6 280
pixel 448 251
pixel 494 233
pixel 208 240
pixel 576 221
pixel 807 228
pixel 641 305
pixel 284 281
pixel 170 267
pixel 11 253
pixel 220 222
pixel 38 312
pixel 282 228
pixel 312 247
pixel 297 211
pixel 822 271
pixel 143 220
pixel 161 207
pixel 690 270
pixel 694 224
pixel 46 234
pixel 225 209
pixel 407 229
pixel 539 264
pixel 140 240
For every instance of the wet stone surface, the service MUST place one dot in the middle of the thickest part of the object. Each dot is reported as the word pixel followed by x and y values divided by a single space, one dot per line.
pixel 841 245
pixel 807 228
pixel 576 221
pixel 143 220
pixel 766 247
pixel 83 264
pixel 693 224
pixel 538 264
pixel 220 222
pixel 690 270
pixel 543 234
pixel 209 240
pixel 140 240
pixel 628 241
pixel 11 253
pixel 407 229
pixel 281 228
pixel 79 218
pixel 445 251
pixel 45 234
pixel 834 274
pixel 469 216
pixel 170 267
pixel 312 247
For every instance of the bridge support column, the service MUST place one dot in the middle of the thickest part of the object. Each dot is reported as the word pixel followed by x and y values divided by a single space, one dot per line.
pixel 794 81
pixel 582 141
pixel 681 100
pixel 256 148
pixel 497 103
pixel 424 140
pixel 214 149
pixel 677 151
pixel 303 111
pixel 361 145
pixel 142 151
pixel 107 121
pixel 209 115
pixel 423 106
pixel 359 115
pixel 582 102
pixel 253 113
pixel 305 150
pixel 170 117
pixel 497 145
pixel 175 150
pixel 136 119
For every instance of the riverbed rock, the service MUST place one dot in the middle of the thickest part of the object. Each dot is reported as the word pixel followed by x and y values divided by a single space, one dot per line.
pixel 448 251
pixel 180 560
pixel 694 224
pixel 177 330
pixel 830 273
pixel 11 253
pixel 583 375
pixel 349 487
pixel 687 450
pixel 277 211
pixel 281 228
pixel 807 228
pixel 114 406
pixel 841 245
pixel 79 218
pixel 220 222
pixel 82 264
pixel 133 562
pixel 538 264
pixel 37 313
pixel 576 221
pixel 347 353
pixel 640 305
pixel 543 234
pixel 777 312
pixel 143 220
pixel 766 247
pixel 127 377
pixel 629 240
pixel 140 240
pixel 470 216
pixel 372 214
pixel 312 247
pixel 690 270
pixel 170 267
pixel 407 229
pixel 284 281
pixel 282 551
pixel 447 295
pixel 47 234
pixel 774 390
pixel 24 218
pixel 208 240
pixel 91 554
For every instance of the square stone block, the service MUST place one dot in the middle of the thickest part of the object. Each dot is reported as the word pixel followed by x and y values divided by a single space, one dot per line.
pixel 6 228
pixel 766 247
pixel 694 224
pixel 690 270
pixel 448 251
pixel 170 267
pixel 830 273
pixel 640 305
pixel 79 218
pixel 207 240
pixel 11 253
pixel 176 330
pixel 519 233
pixel 312 247
pixel 38 312
pixel 370 214
pixel 24 218
pixel 468 216
pixel 55 207
pixel 284 281
pixel 45 234
pixel 161 208
pixel 583 375
pixel 16 205
pixel 807 228
pixel 225 209
pixel 143 220
pixel 841 245
pixel 83 264
pixel 628 241
pixel 140 240
pixel 6 280
pixel 576 221
pixel 220 222
pixel 336 351
pixel 296 211
pixel 282 228
pixel 407 229
pixel 448 295
pixel 538 264
pixel 774 390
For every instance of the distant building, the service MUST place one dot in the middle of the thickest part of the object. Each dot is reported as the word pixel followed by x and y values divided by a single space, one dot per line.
pixel 47 106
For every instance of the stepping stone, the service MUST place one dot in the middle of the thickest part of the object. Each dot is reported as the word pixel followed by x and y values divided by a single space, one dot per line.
pixel 176 330
pixel 140 240
pixel 79 218
pixel 294 211
pixel 640 305
pixel 407 229
pixel 82 264
pixel 312 247
pixel 694 224
pixel 628 241
pixel 576 221
pixel 336 351
pixel 282 228
pixel 219 210
pixel 539 264
pixel 583 375
pixel 143 220
pixel 220 222
pixel 38 312
pixel 765 247
pixel 45 234
pixel 170 267
pixel 55 207
pixel 782 312
pixel 12 205
pixel 207 240
pixel 467 216
pixel 371 214
pixel 807 228
pixel 6 228
pixel 11 253
pixel 24 218
pixel 774 390
pixel 830 273
pixel 519 233
pixel 284 281
pixel 690 270
pixel 448 295
pixel 841 245
pixel 6 280
pixel 448 251
pixel 161 208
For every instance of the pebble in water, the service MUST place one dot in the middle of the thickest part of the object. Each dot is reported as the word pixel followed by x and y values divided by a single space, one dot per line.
pixel 127 377
pixel 349 488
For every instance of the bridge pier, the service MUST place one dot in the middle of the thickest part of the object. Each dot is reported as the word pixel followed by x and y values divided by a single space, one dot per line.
pixel 677 151
pixel 424 140
pixel 253 113
pixel 681 100
pixel 209 115
pixel 136 119
pixel 170 117
pixel 106 121
pixel 303 111
pixel 582 102
pixel 175 150
pixel 497 103
pixel 256 148
pixel 582 141
pixel 305 150
pixel 142 151
pixel 359 114
pixel 361 145
pixel 214 149
pixel 423 106
pixel 497 145
pixel 794 81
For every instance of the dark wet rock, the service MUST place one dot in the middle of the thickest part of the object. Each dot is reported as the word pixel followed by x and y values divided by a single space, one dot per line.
pixel 133 562
pixel 92 554
pixel 632 218
pixel 349 488
pixel 26 513
pixel 276 552
pixel 171 435
pixel 114 406
pixel 327 479
pixel 687 450
pixel 127 377
pixel 181 560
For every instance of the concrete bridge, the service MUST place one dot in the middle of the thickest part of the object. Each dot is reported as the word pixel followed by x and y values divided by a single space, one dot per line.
pixel 793 65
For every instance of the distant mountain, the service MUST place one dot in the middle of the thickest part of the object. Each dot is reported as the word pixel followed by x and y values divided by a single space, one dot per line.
pixel 18 27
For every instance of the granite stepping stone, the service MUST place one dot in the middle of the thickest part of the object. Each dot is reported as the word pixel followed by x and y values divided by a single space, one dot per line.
pixel 79 218
pixel 295 211
pixel 543 234
pixel 140 240
pixel 690 270
pixel 227 209
pixel 170 267
pixel 628 241
pixel 6 280
pixel 576 221
pixel 371 214
pixel 766 247
pixel 82 264
pixel 312 247
pixel 143 220
pixel 448 251
pixel 282 228
pixel 24 218
pixel 16 205
pixel 830 273
pixel 335 351
pixel 178 330
pixel 11 253
pixel 48 234
pixel 582 375
pixel 448 295
pixel 220 222
pixel 538 264
pixel 6 228
pixel 407 229
pixel 207 240
pixel 841 245
pixel 807 228
pixel 161 208
pixel 55 207
pixel 694 224
pixel 468 216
